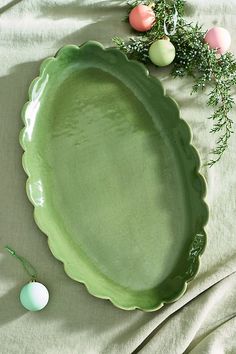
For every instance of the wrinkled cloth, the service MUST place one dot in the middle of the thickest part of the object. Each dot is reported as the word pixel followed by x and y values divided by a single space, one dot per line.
pixel 203 320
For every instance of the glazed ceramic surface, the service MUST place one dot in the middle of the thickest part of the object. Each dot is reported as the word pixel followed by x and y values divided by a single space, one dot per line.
pixel 113 177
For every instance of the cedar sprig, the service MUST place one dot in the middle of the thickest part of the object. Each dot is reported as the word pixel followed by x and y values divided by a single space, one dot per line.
pixel 212 74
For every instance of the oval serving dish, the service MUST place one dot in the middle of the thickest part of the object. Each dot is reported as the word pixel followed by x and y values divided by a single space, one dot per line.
pixel 113 177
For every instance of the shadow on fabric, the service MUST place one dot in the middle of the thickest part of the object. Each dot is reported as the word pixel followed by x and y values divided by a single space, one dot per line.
pixel 9 6
pixel 10 307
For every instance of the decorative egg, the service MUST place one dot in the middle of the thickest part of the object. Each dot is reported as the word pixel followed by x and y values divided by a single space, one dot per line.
pixel 34 296
pixel 142 18
pixel 218 38
pixel 162 52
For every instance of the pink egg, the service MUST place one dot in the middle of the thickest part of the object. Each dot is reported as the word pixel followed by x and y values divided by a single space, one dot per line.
pixel 218 38
pixel 142 18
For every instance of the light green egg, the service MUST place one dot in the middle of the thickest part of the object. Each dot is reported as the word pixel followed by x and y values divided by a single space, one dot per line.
pixel 162 52
pixel 34 296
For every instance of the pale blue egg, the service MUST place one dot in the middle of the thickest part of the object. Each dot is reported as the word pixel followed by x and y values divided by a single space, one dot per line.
pixel 34 296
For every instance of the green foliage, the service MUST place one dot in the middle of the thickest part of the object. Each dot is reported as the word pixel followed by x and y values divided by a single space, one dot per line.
pixel 195 59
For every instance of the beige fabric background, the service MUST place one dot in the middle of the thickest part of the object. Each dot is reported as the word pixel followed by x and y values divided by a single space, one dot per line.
pixel 203 320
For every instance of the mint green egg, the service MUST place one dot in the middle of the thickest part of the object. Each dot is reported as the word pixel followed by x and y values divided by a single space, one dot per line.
pixel 162 52
pixel 34 296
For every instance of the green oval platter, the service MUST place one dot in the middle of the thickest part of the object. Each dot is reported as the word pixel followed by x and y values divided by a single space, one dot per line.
pixel 113 177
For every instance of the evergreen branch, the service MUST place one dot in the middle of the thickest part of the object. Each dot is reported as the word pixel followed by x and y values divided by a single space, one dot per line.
pixel 193 58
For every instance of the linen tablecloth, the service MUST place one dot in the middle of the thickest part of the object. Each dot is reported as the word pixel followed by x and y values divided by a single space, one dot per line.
pixel 203 320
